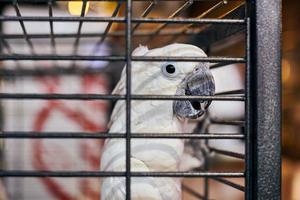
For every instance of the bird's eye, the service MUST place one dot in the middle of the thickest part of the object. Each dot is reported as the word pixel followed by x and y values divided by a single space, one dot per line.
pixel 169 70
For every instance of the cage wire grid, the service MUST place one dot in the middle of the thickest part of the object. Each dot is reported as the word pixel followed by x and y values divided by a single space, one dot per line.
pixel 261 24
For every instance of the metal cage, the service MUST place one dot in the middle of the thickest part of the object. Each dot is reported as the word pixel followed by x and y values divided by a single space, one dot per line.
pixel 260 23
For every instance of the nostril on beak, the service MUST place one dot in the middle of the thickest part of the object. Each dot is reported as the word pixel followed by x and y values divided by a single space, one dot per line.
pixel 196 69
pixel 196 105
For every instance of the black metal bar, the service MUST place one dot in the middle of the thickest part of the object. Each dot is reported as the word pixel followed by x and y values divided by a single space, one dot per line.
pixel 227 153
pixel 215 33
pixel 182 59
pixel 53 71
pixel 227 122
pixel 50 10
pixel 139 33
pixel 21 21
pixel 265 95
pixel 123 20
pixel 128 96
pixel 226 182
pixel 19 173
pixel 61 96
pixel 192 192
pixel 103 135
pixel 175 97
pixel 55 96
pixel 60 57
pixel 120 58
pixel 239 91
pixel 107 29
pixel 214 7
pixel 189 21
pixel 44 1
pixel 248 114
pixel 206 164
pixel 218 65
pixel 177 12
pixel 6 45
pixel 208 11
pixel 145 14
pixel 77 40
pixel 62 19
pixel 64 174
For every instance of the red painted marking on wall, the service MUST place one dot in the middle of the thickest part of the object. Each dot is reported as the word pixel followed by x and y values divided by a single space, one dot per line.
pixel 90 149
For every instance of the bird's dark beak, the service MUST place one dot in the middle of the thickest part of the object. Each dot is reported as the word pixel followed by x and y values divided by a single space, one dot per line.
pixel 198 83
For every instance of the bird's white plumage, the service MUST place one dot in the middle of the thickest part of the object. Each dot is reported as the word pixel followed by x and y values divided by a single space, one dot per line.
pixel 148 117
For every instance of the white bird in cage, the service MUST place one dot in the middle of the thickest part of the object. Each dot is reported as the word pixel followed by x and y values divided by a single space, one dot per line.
pixel 156 116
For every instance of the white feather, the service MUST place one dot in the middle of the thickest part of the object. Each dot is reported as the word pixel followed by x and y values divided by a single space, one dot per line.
pixel 148 117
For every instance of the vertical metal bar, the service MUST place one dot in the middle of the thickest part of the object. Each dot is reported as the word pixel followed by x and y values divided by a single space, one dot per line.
pixel 78 34
pixel 206 182
pixel 265 99
pixel 18 13
pixel 206 166
pixel 6 45
pixel 128 97
pixel 107 29
pixel 248 114
pixel 50 12
pixel 82 14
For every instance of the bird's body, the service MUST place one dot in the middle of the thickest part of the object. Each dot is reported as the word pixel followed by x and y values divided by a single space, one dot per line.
pixel 150 116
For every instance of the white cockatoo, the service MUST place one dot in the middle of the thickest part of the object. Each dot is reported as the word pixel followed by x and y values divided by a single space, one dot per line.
pixel 155 116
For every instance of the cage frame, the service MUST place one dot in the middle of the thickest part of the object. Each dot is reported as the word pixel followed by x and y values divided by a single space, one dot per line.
pixel 262 100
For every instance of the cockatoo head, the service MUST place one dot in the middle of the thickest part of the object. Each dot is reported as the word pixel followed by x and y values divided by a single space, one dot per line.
pixel 174 78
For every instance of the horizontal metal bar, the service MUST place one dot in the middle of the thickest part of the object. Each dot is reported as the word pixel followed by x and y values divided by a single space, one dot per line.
pixel 229 92
pixel 23 27
pixel 16 96
pixel 123 20
pixel 53 71
pixel 180 58
pixel 60 57
pixel 21 173
pixel 121 58
pixel 145 33
pixel 218 65
pixel 226 182
pixel 201 16
pixel 59 35
pixel 228 122
pixel 227 153
pixel 175 97
pixel 103 135
pixel 62 19
pixel 188 136
pixel 56 96
pixel 45 1
pixel 177 12
pixel 214 33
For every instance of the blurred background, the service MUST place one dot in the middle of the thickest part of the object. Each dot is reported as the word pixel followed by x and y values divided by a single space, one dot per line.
pixel 99 77
pixel 290 100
